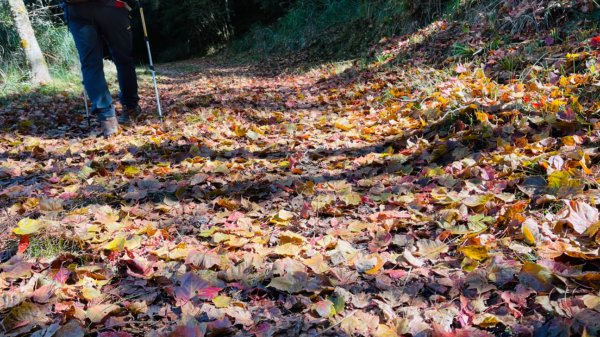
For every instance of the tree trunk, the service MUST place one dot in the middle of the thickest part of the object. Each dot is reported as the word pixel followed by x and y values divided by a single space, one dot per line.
pixel 228 25
pixel 39 68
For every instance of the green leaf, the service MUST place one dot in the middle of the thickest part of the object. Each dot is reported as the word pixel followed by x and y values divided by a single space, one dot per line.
pixel 85 172
pixel 338 304
pixel 478 222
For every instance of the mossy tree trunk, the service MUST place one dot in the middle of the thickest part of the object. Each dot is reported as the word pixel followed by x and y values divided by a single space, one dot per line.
pixel 39 69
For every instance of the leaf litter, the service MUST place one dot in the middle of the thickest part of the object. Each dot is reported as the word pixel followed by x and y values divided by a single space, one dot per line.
pixel 396 200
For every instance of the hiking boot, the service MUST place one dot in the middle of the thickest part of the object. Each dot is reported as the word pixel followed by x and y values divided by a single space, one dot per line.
pixel 109 126
pixel 130 114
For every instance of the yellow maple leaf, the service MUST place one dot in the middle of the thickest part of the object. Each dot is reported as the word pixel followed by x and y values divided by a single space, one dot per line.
pixel 117 244
pixel 28 226
pixel 475 252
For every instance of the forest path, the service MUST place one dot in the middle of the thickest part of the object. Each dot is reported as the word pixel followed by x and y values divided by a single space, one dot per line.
pixel 374 200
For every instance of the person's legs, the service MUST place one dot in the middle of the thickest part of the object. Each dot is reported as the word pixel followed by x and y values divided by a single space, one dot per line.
pixel 89 46
pixel 115 27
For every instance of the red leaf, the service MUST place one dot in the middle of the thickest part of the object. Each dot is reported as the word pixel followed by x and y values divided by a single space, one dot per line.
pixel 191 285
pixel 396 273
pixel 188 331
pixel 208 293
pixel 23 244
pixel 595 42
pixel 62 275
pixel 113 255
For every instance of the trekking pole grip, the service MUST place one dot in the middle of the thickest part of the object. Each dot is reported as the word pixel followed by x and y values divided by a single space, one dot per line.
pixel 144 22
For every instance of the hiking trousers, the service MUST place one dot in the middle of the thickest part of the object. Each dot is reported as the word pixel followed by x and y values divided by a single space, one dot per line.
pixel 92 25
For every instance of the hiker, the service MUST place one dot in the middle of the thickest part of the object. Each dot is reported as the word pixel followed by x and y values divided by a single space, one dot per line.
pixel 94 24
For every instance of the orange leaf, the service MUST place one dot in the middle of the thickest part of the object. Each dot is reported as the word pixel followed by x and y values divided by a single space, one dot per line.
pixel 378 266
pixel 23 244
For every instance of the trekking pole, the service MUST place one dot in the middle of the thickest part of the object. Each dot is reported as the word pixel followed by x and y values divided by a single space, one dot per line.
pixel 151 62
pixel 87 109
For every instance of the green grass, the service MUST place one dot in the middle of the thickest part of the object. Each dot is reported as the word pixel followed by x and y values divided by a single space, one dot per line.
pixel 16 83
pixel 49 247
pixel 56 44
pixel 46 247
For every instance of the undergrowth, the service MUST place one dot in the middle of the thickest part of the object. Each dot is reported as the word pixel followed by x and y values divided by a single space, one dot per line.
pixel 55 42
pixel 342 28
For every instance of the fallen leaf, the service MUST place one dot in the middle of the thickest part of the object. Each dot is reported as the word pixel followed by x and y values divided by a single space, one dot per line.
pixel 221 301
pixel 28 226
pixel 288 249
pixel 430 249
pixel 118 244
pixel 98 313
pixel 412 260
pixel 317 263
pixel 579 215
pixel 24 314
pixel 23 244
pixel 475 252
pixel 536 277
pixel 189 285
pixel 325 308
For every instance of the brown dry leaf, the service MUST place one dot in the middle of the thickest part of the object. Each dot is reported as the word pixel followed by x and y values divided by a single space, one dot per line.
pixel 579 215
pixel 287 265
pixel 591 301
pixel 98 313
pixel 24 314
pixel 592 279
pixel 317 264
pixel 10 299
pixel 51 205
pixel 537 277
pixel 412 260
pixel 291 283
pixel 430 249
pixel 385 331
pixel 71 329
pixel 288 249
pixel 369 265
pixel 291 237
pixel 203 260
